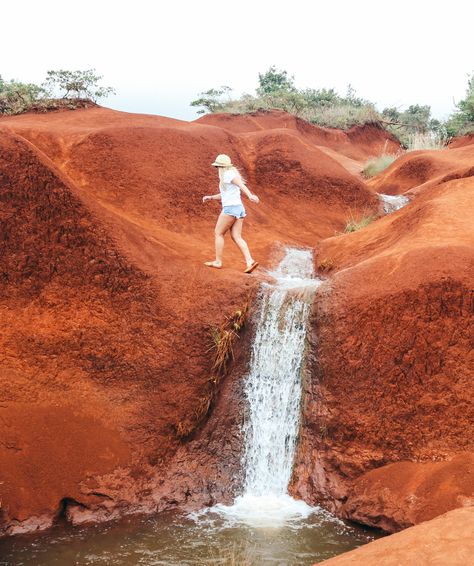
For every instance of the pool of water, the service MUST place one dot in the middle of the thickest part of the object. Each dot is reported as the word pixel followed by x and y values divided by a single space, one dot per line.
pixel 264 525
pixel 172 540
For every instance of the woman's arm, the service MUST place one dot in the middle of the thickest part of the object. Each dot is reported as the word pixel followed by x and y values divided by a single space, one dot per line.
pixel 238 181
pixel 211 197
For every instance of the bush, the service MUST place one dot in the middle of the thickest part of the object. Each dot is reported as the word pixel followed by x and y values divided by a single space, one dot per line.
pixel 76 85
pixel 377 165
pixel 462 120
pixel 77 89
pixel 16 97
pixel 323 107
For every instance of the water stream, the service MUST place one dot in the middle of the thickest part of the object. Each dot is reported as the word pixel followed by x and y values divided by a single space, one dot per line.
pixel 273 392
pixel 392 203
pixel 264 526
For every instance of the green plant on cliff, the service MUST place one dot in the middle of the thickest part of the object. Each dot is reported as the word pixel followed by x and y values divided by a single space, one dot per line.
pixel 377 164
pixel 276 89
pixel 414 127
pixel 61 89
pixel 76 84
pixel 461 120
pixel 17 97
pixel 211 100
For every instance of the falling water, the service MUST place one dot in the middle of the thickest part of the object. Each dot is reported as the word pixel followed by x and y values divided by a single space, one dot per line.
pixel 264 525
pixel 391 203
pixel 273 392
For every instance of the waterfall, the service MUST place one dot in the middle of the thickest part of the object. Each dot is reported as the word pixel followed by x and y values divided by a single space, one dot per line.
pixel 273 393
pixel 391 203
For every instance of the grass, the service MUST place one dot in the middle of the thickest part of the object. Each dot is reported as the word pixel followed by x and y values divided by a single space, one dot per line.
pixel 354 223
pixel 426 141
pixel 341 115
pixel 377 165
pixel 222 340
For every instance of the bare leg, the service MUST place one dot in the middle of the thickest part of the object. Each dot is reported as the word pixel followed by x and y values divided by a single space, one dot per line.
pixel 236 233
pixel 224 223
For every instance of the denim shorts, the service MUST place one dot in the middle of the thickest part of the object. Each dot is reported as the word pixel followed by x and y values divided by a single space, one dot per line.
pixel 236 210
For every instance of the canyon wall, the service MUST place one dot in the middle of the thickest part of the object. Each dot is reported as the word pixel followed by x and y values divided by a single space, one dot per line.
pixel 107 308
pixel 388 430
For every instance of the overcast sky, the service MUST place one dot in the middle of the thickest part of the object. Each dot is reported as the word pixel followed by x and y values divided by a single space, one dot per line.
pixel 160 55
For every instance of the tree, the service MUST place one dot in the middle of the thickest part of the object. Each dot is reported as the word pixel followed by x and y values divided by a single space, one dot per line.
pixel 462 120
pixel 417 117
pixel 17 97
pixel 321 96
pixel 211 100
pixel 76 84
pixel 274 81
pixel 391 114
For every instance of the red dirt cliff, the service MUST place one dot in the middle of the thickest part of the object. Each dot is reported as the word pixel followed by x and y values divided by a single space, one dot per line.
pixel 108 402
pixel 106 304
pixel 388 431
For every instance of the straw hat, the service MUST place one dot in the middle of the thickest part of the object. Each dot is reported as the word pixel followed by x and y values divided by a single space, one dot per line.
pixel 222 160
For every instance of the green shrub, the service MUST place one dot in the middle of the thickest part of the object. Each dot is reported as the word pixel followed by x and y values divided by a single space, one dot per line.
pixel 74 88
pixel 323 107
pixel 462 120
pixel 377 165
pixel 16 97
pixel 76 85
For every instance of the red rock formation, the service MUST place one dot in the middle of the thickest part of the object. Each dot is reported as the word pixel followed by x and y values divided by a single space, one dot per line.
pixel 390 378
pixel 106 304
pixel 403 494
pixel 107 404
pixel 447 540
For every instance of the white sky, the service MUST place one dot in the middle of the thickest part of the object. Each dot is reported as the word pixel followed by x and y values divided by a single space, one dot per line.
pixel 160 55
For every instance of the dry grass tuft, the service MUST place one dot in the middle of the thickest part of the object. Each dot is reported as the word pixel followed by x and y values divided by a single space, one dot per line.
pixel 222 346
pixel 429 141
pixel 326 264
pixel 358 222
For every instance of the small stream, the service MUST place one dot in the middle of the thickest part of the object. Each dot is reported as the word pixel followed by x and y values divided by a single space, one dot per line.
pixel 392 203
pixel 265 525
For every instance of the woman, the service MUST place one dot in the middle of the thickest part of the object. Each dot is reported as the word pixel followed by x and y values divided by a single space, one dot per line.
pixel 233 212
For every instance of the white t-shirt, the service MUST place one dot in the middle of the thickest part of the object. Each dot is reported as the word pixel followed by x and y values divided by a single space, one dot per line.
pixel 230 193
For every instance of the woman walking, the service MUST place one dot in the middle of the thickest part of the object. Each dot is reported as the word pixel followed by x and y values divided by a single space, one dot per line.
pixel 233 211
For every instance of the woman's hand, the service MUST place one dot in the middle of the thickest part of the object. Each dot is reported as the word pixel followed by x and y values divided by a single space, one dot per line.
pixel 254 198
pixel 206 198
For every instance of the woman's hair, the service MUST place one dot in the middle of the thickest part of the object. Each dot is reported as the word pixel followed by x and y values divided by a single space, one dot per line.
pixel 223 170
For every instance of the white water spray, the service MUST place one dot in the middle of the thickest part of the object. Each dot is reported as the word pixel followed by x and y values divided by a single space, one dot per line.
pixel 273 392
pixel 391 203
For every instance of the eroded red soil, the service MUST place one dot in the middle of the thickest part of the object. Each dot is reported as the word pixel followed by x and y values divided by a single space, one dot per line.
pixel 391 375
pixel 447 540
pixel 106 304
pixel 106 308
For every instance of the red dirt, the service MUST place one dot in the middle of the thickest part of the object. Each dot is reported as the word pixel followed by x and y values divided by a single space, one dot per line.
pixel 403 494
pixel 445 541
pixel 461 141
pixel 393 358
pixel 106 304
pixel 418 171
pixel 106 308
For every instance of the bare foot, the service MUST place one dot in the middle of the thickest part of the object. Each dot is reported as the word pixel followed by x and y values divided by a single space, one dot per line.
pixel 215 264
